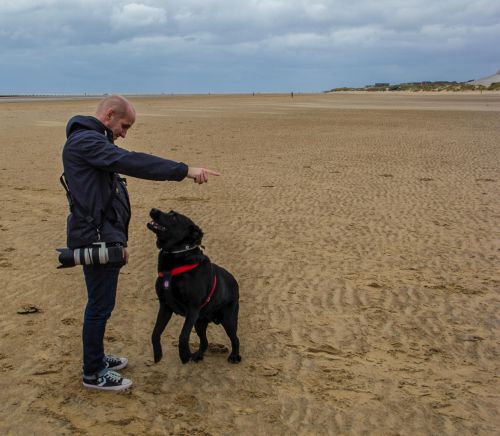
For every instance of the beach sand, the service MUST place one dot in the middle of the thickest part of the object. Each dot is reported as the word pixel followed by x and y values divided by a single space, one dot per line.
pixel 363 231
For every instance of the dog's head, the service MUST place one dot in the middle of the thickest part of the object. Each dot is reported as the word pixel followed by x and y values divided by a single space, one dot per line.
pixel 174 230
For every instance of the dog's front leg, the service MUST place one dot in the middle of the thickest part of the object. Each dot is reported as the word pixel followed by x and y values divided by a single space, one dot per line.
pixel 164 315
pixel 184 351
pixel 201 330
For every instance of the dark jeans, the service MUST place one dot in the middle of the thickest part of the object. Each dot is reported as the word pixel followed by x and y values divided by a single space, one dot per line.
pixel 101 283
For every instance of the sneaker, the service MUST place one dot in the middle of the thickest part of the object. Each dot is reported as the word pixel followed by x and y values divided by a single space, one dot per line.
pixel 114 362
pixel 108 380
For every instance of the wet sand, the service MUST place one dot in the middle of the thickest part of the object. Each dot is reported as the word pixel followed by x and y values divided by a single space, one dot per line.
pixel 363 230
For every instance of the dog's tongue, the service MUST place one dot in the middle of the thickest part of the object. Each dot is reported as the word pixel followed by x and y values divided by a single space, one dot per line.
pixel 155 225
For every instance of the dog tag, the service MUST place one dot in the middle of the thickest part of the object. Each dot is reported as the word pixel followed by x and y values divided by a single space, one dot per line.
pixel 166 281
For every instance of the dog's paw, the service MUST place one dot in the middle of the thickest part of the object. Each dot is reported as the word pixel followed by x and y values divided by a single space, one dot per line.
pixel 196 357
pixel 185 358
pixel 157 353
pixel 234 358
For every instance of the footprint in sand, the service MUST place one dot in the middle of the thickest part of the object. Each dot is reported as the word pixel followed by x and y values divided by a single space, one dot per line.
pixel 327 349
pixel 217 348
pixel 28 309
pixel 4 263
pixel 69 321
pixel 186 199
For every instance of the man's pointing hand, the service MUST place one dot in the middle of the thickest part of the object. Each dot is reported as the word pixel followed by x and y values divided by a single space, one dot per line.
pixel 200 175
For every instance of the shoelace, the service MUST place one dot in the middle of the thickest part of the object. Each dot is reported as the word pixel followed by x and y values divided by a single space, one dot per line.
pixel 113 359
pixel 113 376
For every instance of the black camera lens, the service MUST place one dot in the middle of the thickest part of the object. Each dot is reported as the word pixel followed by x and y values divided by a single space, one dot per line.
pixel 66 257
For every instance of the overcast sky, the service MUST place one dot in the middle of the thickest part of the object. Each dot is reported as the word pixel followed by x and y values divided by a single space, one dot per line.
pixel 191 46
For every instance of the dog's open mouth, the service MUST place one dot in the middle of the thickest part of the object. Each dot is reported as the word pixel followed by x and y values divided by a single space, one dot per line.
pixel 155 227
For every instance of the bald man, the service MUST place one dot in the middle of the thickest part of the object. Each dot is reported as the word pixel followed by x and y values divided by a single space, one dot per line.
pixel 100 213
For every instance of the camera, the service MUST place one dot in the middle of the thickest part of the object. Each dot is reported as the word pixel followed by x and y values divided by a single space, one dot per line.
pixel 97 254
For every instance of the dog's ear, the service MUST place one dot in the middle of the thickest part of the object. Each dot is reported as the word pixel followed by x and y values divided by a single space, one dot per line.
pixel 196 234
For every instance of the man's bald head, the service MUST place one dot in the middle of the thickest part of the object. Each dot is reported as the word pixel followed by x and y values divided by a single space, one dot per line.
pixel 116 102
pixel 117 114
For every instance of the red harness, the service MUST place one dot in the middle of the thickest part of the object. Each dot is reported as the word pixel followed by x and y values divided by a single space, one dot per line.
pixel 184 268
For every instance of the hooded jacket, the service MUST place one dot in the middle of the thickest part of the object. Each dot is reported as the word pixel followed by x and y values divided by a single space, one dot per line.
pixel 91 165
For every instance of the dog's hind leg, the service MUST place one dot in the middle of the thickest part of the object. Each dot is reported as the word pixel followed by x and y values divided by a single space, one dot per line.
pixel 164 315
pixel 201 330
pixel 230 324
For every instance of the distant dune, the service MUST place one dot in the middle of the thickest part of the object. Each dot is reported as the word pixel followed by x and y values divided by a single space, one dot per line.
pixel 487 81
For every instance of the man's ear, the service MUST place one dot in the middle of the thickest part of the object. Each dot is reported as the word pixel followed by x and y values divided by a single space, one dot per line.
pixel 110 113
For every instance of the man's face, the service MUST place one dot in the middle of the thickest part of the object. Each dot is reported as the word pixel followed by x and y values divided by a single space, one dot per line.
pixel 119 123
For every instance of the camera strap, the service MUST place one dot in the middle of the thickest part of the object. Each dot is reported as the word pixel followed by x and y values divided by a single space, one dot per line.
pixel 88 218
pixel 64 183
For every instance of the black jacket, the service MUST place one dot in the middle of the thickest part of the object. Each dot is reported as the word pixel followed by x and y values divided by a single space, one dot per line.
pixel 91 163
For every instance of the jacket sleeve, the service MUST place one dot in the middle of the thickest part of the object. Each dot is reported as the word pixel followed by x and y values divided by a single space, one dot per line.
pixel 98 152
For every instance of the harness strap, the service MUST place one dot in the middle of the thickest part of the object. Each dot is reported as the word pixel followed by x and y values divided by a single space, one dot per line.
pixel 211 293
pixel 179 270
pixel 184 268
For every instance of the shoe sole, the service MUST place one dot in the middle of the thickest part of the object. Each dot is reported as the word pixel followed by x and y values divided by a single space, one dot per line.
pixel 111 388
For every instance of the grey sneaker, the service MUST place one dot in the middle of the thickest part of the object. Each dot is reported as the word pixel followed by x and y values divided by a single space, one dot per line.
pixel 107 380
pixel 115 362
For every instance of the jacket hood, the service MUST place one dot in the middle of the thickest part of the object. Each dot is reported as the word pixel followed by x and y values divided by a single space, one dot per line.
pixel 81 122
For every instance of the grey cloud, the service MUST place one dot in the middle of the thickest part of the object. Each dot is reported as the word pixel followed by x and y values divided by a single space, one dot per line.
pixel 329 40
pixel 137 15
pixel 226 21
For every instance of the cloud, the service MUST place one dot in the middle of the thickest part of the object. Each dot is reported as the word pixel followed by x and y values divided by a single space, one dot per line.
pixel 229 22
pixel 137 15
pixel 333 41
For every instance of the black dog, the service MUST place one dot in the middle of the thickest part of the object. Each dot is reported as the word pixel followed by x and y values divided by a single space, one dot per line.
pixel 192 286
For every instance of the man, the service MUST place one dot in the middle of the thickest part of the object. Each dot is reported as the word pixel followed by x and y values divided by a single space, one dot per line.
pixel 100 212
